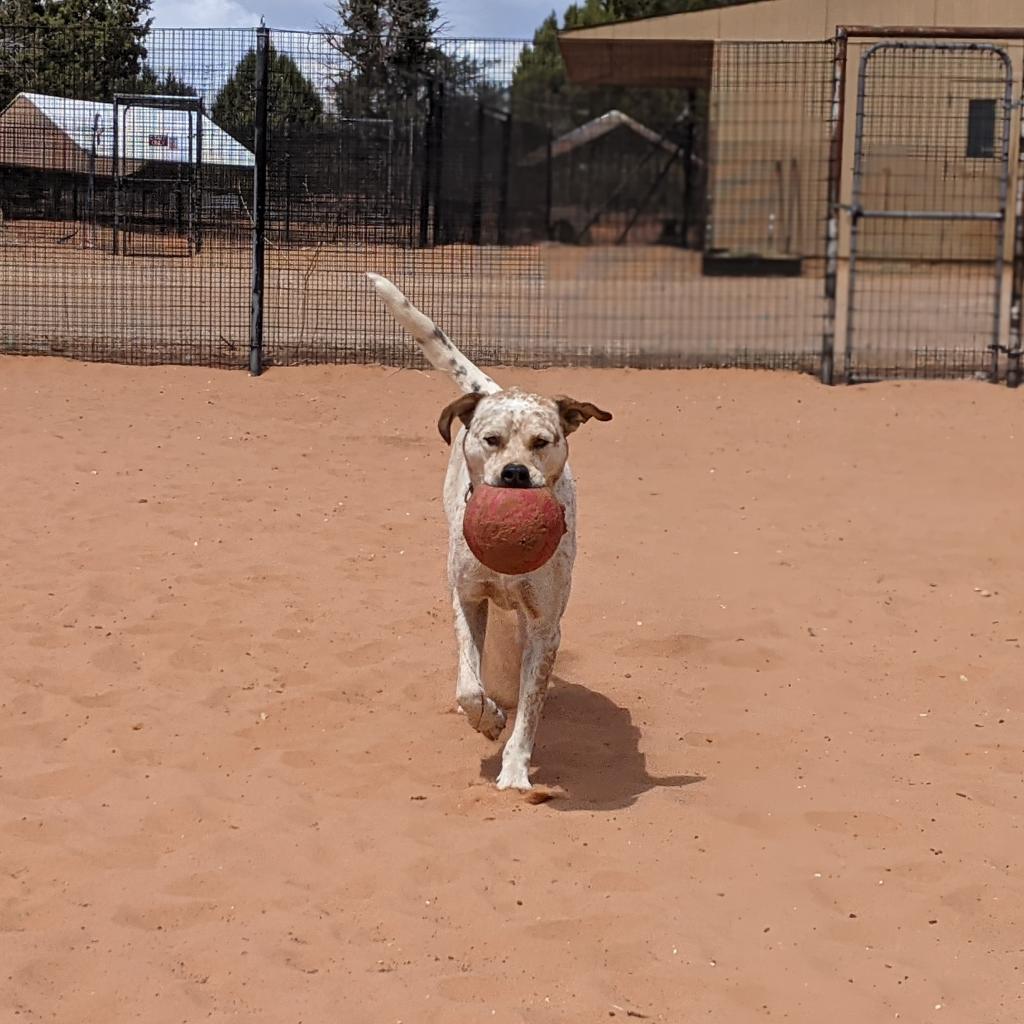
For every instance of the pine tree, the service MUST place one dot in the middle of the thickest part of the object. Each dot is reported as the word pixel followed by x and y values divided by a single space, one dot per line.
pixel 149 83
pixel 389 49
pixel 540 89
pixel 20 58
pixel 80 49
pixel 542 92
pixel 292 100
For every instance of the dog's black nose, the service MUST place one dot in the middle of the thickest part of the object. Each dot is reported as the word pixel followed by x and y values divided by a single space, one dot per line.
pixel 515 475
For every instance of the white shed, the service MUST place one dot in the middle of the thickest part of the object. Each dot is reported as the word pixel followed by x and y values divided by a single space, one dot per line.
pixel 52 133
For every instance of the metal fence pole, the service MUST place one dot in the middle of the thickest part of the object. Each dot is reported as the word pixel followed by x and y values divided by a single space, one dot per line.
pixel 197 183
pixel 506 151
pixel 259 203
pixel 1004 198
pixel 115 170
pixel 426 186
pixel 549 181
pixel 689 143
pixel 1014 347
pixel 476 213
pixel 440 226
pixel 835 173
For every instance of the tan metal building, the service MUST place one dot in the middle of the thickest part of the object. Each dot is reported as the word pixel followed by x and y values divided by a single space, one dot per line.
pixel 866 132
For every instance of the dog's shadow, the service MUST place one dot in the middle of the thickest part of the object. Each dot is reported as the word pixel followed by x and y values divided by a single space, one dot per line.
pixel 589 746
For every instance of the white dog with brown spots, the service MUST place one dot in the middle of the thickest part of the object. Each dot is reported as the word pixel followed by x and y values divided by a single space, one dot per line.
pixel 510 439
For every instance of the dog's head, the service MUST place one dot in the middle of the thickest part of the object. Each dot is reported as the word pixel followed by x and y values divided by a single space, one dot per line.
pixel 514 439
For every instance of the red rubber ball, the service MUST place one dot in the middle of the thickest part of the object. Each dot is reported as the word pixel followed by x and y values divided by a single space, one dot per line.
pixel 513 530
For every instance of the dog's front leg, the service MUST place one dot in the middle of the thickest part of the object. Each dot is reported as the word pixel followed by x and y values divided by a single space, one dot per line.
pixel 540 645
pixel 470 629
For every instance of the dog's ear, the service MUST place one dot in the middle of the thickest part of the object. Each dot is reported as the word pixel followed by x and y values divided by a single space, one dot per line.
pixel 574 414
pixel 464 408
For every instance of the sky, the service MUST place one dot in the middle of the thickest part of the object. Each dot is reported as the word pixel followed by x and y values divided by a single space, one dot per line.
pixel 469 19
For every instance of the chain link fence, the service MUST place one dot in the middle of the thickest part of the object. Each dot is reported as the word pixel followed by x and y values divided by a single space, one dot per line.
pixel 538 227
pixel 217 200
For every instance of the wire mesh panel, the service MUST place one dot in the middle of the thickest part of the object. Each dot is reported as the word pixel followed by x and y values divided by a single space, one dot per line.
pixel 403 171
pixel 771 111
pixel 598 225
pixel 669 226
pixel 124 230
pixel 161 203
pixel 929 210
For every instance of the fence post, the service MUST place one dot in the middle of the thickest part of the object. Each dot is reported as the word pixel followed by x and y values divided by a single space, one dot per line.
pixel 476 215
pixel 689 143
pixel 440 224
pixel 115 171
pixel 506 153
pixel 1014 348
pixel 835 173
pixel 288 192
pixel 426 186
pixel 549 181
pixel 259 203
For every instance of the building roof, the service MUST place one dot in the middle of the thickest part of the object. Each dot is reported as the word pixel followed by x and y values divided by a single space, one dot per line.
pixel 148 134
pixel 675 49
pixel 595 129
pixel 806 20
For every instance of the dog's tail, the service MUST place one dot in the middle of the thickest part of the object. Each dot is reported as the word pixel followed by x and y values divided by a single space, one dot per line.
pixel 439 349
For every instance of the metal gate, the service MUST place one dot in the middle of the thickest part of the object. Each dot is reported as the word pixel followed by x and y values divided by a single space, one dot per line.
pixel 929 210
pixel 158 175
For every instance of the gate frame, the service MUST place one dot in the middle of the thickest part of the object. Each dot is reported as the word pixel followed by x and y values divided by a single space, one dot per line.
pixel 191 105
pixel 858 213
pixel 834 270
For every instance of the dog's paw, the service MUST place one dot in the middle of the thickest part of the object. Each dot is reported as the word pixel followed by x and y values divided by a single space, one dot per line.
pixel 514 776
pixel 483 714
pixel 492 719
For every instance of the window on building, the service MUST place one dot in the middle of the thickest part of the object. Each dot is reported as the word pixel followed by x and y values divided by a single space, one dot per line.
pixel 981 129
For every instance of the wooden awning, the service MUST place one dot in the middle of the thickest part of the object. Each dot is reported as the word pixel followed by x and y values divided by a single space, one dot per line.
pixel 654 63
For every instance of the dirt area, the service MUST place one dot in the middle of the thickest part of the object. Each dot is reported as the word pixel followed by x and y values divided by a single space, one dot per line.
pixel 542 304
pixel 788 720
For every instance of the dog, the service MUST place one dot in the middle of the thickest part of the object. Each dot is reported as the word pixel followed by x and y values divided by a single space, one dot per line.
pixel 509 439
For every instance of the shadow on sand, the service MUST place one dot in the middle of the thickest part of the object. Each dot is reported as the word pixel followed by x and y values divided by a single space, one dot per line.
pixel 590 747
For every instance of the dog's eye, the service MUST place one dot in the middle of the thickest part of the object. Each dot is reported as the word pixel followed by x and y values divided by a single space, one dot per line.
pixel 492 440
pixel 539 442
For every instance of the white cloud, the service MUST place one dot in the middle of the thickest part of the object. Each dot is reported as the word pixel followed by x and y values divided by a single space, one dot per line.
pixel 483 19
pixel 202 14
pixel 507 19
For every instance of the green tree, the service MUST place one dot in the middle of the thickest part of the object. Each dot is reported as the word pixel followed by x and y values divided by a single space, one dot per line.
pixel 292 100
pixel 19 23
pixel 539 84
pixel 80 49
pixel 541 91
pixel 388 48
pixel 149 83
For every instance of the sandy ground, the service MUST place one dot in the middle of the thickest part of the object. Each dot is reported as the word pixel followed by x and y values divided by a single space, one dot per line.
pixel 788 720
pixel 540 305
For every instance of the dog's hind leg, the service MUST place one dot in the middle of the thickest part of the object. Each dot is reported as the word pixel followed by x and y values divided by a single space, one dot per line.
pixel 470 629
